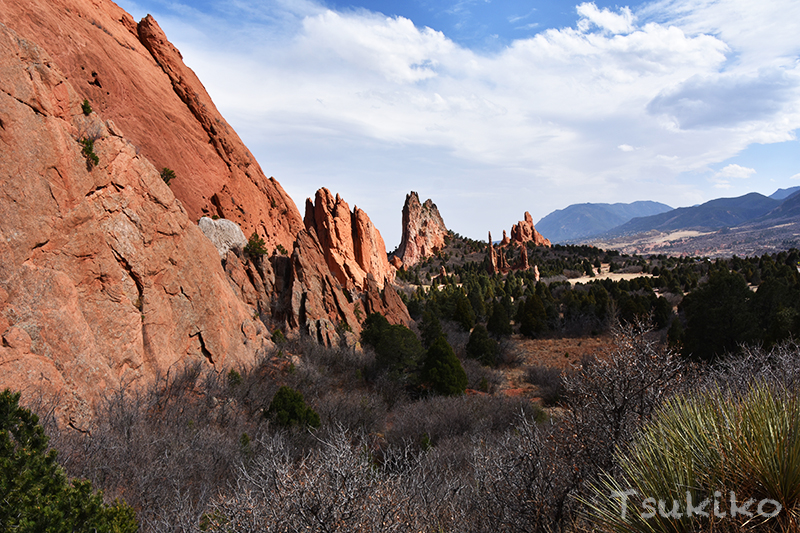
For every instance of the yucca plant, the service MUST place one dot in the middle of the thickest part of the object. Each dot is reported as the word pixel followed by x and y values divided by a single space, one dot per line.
pixel 734 460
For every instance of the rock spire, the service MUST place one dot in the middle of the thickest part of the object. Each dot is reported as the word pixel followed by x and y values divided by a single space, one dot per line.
pixel 424 231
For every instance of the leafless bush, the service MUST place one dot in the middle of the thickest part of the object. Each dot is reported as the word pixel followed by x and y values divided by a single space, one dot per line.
pixel 354 410
pixel 548 382
pixel 525 481
pixel 436 419
pixel 480 377
pixel 779 366
pixel 167 450
pixel 608 397
pixel 337 487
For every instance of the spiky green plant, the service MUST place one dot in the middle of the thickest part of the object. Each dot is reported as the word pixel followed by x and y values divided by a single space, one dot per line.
pixel 708 448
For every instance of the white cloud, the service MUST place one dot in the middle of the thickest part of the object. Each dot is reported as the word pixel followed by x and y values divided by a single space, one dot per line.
pixel 736 171
pixel 795 177
pixel 363 100
pixel 605 19
pixel 722 179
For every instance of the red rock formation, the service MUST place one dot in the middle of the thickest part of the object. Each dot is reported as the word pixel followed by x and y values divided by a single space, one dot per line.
pixel 497 259
pixel 522 264
pixel 424 231
pixel 525 232
pixel 171 300
pixel 133 75
pixel 352 245
pixel 505 240
pixel 104 280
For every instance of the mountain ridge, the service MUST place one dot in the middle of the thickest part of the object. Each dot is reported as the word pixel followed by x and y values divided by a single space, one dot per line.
pixel 586 219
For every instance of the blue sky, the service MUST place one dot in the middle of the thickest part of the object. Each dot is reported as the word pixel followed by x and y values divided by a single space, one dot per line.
pixel 497 107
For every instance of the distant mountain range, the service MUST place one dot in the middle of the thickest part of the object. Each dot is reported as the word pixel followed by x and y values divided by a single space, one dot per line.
pixel 782 194
pixel 579 221
pixel 585 222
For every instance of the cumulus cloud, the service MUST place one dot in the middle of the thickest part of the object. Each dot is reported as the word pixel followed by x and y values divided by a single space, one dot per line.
pixel 604 19
pixel 722 179
pixel 341 98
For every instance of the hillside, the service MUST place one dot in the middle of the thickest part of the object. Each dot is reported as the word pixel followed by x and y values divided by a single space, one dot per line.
pixel 584 220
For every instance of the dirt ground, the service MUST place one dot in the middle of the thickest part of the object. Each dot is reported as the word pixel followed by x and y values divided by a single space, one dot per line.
pixel 563 353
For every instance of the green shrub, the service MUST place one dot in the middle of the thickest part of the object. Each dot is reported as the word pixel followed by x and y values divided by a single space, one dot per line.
pixel 88 152
pixel 234 378
pixel 442 371
pixel 34 490
pixel 278 337
pixel 499 323
pixel 463 314
pixel 281 249
pixel 713 448
pixel 167 175
pixel 255 245
pixel 288 408
pixel 718 317
pixel 86 107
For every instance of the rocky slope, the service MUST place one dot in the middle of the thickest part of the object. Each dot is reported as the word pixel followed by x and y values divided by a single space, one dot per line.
pixel 104 279
pixel 424 232
pixel 134 76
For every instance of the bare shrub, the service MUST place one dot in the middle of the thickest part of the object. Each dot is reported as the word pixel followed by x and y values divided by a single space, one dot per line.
pixel 608 398
pixel 525 481
pixel 354 410
pixel 337 487
pixel 548 383
pixel 481 378
pixel 436 419
pixel 753 365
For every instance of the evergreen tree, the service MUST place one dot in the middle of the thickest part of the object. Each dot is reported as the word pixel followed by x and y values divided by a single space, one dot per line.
pixel 430 328
pixel 442 371
pixel 499 324
pixel 482 347
pixel 288 408
pixel 463 313
pixel 396 346
pixel 534 317
pixel 35 495
pixel 718 316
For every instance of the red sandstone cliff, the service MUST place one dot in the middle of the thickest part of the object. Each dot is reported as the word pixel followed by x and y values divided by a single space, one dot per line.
pixel 104 279
pixel 352 245
pixel 521 233
pixel 424 231
pixel 134 76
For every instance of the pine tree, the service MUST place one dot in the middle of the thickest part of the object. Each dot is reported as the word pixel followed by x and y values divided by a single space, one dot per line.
pixel 442 371
pixel 482 347
pixel 35 494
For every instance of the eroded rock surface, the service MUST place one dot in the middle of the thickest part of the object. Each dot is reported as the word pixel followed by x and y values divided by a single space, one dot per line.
pixel 225 235
pixel 352 245
pixel 131 74
pixel 524 232
pixel 424 231
pixel 104 279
